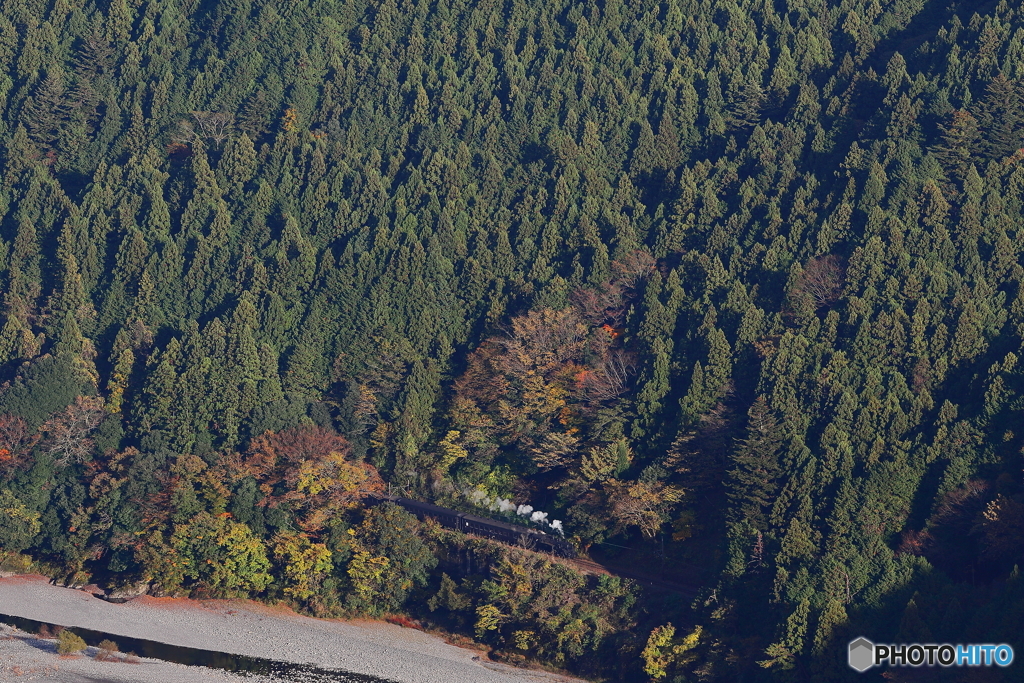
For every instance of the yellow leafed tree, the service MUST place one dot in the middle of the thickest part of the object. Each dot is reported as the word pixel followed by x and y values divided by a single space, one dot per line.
pixel 664 651
pixel 305 564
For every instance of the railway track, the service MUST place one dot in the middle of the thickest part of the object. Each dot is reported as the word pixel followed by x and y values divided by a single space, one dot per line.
pixel 551 546
pixel 588 566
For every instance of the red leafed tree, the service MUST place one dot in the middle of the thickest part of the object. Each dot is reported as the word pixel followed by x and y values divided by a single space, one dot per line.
pixel 603 305
pixel 15 442
pixel 274 451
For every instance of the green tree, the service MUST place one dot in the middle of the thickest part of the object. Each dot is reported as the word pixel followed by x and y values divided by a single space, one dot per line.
pixel 388 559
pixel 18 524
pixel 221 555
pixel 752 481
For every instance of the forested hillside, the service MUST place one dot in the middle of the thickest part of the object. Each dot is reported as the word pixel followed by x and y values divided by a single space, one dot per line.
pixel 729 286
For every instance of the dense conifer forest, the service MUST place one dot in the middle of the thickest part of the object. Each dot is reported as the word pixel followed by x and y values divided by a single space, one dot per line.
pixel 733 288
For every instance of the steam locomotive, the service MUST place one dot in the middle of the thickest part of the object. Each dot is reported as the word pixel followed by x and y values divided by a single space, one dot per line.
pixel 513 534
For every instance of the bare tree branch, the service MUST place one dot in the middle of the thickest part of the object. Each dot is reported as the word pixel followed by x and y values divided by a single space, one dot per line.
pixel 205 125
pixel 822 280
pixel 612 378
pixel 67 433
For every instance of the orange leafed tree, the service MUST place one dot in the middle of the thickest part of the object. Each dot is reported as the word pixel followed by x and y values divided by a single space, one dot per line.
pixel 315 466
pixel 290 120
pixel 270 455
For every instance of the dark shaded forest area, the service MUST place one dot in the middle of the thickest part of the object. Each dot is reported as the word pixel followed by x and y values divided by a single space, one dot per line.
pixel 728 287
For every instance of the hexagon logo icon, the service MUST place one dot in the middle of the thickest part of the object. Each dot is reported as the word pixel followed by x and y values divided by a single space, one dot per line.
pixel 862 654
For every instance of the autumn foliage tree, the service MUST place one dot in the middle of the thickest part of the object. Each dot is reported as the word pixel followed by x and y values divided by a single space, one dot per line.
pixel 310 471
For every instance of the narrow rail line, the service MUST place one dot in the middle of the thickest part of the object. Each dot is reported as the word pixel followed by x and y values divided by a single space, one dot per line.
pixel 556 549
pixel 588 566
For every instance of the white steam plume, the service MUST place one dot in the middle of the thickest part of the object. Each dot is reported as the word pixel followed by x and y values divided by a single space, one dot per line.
pixel 504 505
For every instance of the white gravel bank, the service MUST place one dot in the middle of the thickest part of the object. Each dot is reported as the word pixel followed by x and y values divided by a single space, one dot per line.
pixel 247 628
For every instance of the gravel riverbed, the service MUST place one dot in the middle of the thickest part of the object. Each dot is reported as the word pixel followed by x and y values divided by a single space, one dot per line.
pixel 238 627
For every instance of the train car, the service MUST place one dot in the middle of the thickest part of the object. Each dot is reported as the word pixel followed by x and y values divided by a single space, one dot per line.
pixel 492 528
pixel 512 534
pixel 562 548
pixel 447 518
